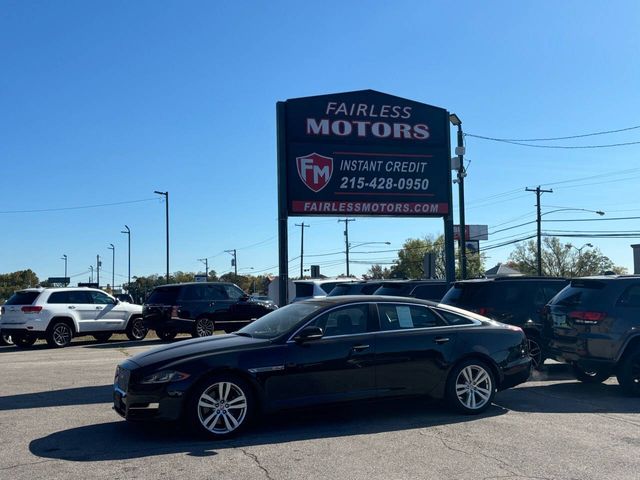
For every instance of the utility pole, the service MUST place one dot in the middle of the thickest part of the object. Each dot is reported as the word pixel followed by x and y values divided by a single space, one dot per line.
pixel 234 262
pixel 455 120
pixel 206 266
pixel 128 232
pixel 302 227
pixel 346 238
pixel 91 277
pixel 539 192
pixel 113 266
pixel 166 200
pixel 98 264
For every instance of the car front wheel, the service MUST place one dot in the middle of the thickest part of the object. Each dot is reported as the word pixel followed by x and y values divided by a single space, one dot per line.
pixel 629 373
pixel 136 329
pixel 471 387
pixel 590 376
pixel 221 406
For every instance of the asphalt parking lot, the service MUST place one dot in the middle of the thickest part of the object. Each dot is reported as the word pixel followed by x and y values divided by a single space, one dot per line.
pixel 56 422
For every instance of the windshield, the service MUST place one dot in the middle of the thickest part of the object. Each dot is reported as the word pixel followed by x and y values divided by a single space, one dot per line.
pixel 280 321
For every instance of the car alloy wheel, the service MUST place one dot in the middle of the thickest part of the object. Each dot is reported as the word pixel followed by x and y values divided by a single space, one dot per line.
pixel 6 339
pixel 23 340
pixel 590 376
pixel 136 329
pixel 204 327
pixel 471 386
pixel 60 335
pixel 629 373
pixel 535 352
pixel 222 408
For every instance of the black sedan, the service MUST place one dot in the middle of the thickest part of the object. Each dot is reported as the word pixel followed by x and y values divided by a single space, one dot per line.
pixel 324 351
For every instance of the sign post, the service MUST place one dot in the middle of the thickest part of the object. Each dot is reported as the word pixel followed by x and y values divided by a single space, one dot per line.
pixel 363 153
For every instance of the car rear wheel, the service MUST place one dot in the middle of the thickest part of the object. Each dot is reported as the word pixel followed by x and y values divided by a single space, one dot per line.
pixel 136 329
pixel 535 352
pixel 221 407
pixel 204 327
pixel 5 339
pixel 23 340
pixel 102 337
pixel 629 373
pixel 471 387
pixel 59 335
pixel 590 375
pixel 166 334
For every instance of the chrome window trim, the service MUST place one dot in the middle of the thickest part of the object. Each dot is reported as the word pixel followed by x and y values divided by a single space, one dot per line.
pixel 474 323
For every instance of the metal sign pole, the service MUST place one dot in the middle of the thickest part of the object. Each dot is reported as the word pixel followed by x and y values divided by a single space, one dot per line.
pixel 283 233
pixel 449 250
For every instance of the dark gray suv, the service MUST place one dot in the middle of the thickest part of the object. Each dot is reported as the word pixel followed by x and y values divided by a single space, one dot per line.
pixel 594 324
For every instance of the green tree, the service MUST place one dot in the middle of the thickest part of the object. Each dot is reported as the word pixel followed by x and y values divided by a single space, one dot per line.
pixel 377 272
pixel 561 259
pixel 10 282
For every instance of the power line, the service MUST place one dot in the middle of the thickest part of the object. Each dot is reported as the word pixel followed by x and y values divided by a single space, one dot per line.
pixel 606 132
pixel 79 207
pixel 566 147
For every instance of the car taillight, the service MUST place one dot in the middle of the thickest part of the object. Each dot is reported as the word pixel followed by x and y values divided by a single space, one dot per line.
pixel 174 311
pixel 29 309
pixel 587 317
pixel 484 311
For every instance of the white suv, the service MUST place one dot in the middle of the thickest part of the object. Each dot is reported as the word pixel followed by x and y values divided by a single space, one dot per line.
pixel 59 314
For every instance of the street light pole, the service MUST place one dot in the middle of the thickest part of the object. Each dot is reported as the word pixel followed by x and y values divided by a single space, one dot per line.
pixel 346 239
pixel 206 267
pixel 579 263
pixel 113 265
pixel 455 120
pixel 91 277
pixel 302 227
pixel 98 270
pixel 166 198
pixel 64 257
pixel 128 233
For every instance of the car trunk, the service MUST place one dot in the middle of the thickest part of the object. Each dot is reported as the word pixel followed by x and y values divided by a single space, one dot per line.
pixel 13 311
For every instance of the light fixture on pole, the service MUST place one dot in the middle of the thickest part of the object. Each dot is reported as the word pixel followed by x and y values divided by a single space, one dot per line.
pixel 460 151
pixel 64 257
pixel 128 233
pixel 91 277
pixel 113 265
pixel 234 261
pixel 579 262
pixel 166 199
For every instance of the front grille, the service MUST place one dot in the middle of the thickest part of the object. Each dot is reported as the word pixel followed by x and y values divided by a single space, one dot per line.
pixel 122 378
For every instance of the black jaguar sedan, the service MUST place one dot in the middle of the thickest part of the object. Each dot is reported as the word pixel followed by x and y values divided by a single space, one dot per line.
pixel 328 350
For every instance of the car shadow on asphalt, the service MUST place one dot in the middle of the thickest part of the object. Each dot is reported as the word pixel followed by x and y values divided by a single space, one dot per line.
pixel 58 398
pixel 91 343
pixel 121 440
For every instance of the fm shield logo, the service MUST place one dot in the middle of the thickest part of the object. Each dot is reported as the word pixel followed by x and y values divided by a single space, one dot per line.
pixel 315 170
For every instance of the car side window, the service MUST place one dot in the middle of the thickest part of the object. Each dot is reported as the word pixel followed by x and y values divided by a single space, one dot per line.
pixel 233 292
pixel 401 317
pixel 214 292
pixel 344 321
pixel 454 318
pixel 59 297
pixel 101 298
pixel 631 297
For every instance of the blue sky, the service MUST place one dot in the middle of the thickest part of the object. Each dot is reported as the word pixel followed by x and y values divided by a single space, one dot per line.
pixel 105 102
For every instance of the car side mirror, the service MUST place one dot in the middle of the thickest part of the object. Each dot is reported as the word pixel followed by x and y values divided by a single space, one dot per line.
pixel 308 334
pixel 244 298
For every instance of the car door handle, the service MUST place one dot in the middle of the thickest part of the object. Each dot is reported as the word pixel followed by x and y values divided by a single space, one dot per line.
pixel 98 308
pixel 359 348
pixel 72 307
pixel 441 340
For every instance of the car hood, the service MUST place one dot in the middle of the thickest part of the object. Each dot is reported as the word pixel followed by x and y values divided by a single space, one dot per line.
pixel 188 349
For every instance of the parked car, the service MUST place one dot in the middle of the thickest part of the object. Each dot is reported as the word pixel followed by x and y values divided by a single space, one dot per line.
pixel 5 339
pixel 422 289
pixel 516 300
pixel 200 308
pixel 264 299
pixel 59 314
pixel 355 288
pixel 594 324
pixel 124 297
pixel 315 288
pixel 324 351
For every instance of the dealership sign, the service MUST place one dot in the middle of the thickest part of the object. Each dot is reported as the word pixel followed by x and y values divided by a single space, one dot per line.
pixel 364 153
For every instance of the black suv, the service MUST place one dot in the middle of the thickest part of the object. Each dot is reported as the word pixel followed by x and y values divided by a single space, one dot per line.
pixel 355 288
pixel 594 324
pixel 200 309
pixel 423 289
pixel 514 300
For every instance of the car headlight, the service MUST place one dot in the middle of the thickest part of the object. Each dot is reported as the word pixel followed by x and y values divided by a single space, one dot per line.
pixel 165 376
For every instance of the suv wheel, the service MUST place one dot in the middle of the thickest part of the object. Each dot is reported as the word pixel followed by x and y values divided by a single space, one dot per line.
pixel 471 387
pixel 102 337
pixel 204 327
pixel 166 334
pixel 59 335
pixel 23 340
pixel 5 339
pixel 221 406
pixel 629 373
pixel 535 352
pixel 590 376
pixel 136 329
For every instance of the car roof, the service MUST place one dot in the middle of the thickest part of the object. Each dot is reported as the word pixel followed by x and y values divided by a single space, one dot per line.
pixel 176 285
pixel 518 278
pixel 59 289
pixel 344 299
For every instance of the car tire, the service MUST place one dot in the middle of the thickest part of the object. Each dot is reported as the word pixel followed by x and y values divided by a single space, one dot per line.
pixel 102 337
pixel 59 335
pixel 590 376
pixel 166 335
pixel 136 330
pixel 23 340
pixel 203 327
pixel 221 406
pixel 471 387
pixel 5 339
pixel 535 352
pixel 629 372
